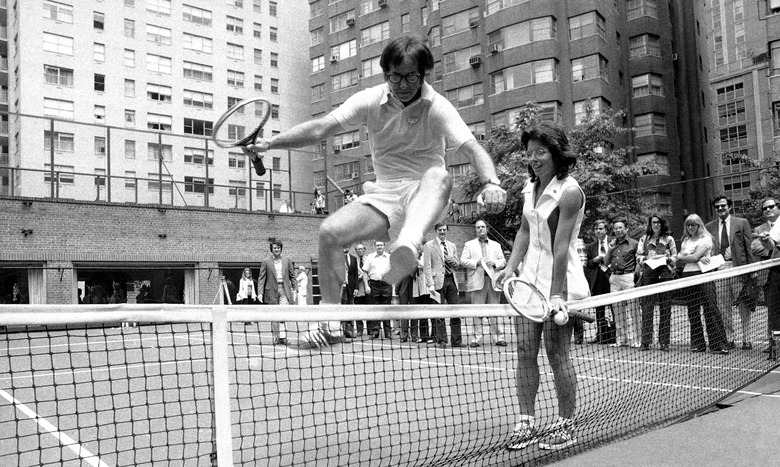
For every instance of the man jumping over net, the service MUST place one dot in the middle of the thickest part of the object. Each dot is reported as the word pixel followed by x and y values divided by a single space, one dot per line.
pixel 409 126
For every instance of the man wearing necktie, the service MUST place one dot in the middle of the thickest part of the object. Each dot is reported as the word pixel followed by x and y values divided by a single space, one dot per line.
pixel 598 274
pixel 440 258
pixel 349 287
pixel 770 209
pixel 732 237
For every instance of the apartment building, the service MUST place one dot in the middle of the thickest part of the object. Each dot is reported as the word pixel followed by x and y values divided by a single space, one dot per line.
pixel 493 56
pixel 115 100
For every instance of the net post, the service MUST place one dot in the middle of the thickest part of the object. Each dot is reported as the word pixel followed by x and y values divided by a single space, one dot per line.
pixel 222 411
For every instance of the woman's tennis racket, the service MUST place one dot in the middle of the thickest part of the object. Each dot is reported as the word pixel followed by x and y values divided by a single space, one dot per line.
pixel 528 301
pixel 240 125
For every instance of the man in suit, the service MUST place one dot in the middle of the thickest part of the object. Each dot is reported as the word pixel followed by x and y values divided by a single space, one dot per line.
pixel 732 237
pixel 440 258
pixel 478 254
pixel 361 297
pixel 278 282
pixel 349 287
pixel 375 267
pixel 763 250
pixel 597 273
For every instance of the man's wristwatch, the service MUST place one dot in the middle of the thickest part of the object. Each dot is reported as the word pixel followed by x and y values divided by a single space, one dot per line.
pixel 492 181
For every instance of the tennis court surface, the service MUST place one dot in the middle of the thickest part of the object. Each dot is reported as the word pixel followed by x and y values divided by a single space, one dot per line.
pixel 196 385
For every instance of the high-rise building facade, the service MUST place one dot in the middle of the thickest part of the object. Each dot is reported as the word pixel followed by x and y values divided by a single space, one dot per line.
pixel 115 100
pixel 740 41
pixel 494 56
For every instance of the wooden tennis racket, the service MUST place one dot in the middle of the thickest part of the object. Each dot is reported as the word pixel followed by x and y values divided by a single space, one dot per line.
pixel 241 124
pixel 529 302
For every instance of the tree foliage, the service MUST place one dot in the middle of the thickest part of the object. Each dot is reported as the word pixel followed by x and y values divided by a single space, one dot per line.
pixel 769 171
pixel 602 170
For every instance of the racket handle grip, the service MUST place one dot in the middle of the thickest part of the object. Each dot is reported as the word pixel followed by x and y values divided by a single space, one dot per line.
pixel 580 315
pixel 259 166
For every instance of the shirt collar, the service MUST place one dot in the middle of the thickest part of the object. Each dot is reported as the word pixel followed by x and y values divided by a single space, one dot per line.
pixel 727 219
pixel 482 241
pixel 387 95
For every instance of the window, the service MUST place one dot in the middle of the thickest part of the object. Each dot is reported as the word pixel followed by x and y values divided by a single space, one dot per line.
pixel 98 20
pixel 235 51
pixel 376 33
pixel 129 118
pixel 129 149
pixel 646 44
pixel 370 67
pixel 99 52
pixel 731 113
pixel 315 9
pixel 273 34
pixel 776 117
pixel 274 86
pixel 236 161
pixel 466 96
pixel 274 60
pixel 729 90
pixel 589 24
pixel 733 138
pixel 257 30
pixel 317 93
pixel 650 124
pixel 58 11
pixel 129 58
pixel 153 183
pixel 158 35
pixel 773 7
pixel 197 71
pixel 100 82
pixel 130 179
pixel 235 78
pixel 272 9
pixel 237 188
pixel 587 110
pixel 58 76
pixel 317 64
pixel 339 22
pixel 100 146
pixel 129 28
pixel 197 43
pixel 259 189
pixel 57 108
pixel 257 6
pixel 194 126
pixel 198 99
pixel 159 64
pixel 348 140
pixel 159 122
pixel 196 15
pixel 258 83
pixel 63 142
pixel 344 50
pixel 236 3
pixel 235 25
pixel 153 152
pixel 57 44
pixel 277 191
pixel 478 130
pixel 459 59
pixel 405 23
pixel 459 22
pixel 434 36
pixel 590 67
pixel 660 159
pixel 275 111
pixel 459 170
pixel 100 114
pixel 526 74
pixel 493 6
pixel 638 8
pixel 774 52
pixel 198 156
pixel 535 30
pixel 62 173
pixel 159 7
pixel 159 93
pixel 647 85
pixel 344 80
pixel 197 185
pixel 316 37
pixel 258 56
pixel 346 172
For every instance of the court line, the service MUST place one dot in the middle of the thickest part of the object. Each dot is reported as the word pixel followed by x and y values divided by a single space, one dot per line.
pixel 63 438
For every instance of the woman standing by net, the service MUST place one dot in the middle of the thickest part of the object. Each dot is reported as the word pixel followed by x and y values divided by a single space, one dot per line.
pixel 554 205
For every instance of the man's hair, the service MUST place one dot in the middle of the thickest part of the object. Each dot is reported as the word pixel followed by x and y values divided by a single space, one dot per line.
pixel 440 225
pixel 554 139
pixel 601 221
pixel 406 46
pixel 729 203
pixel 622 220
pixel 273 242
pixel 768 198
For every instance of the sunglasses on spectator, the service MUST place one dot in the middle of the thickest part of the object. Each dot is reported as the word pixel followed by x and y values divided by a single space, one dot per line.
pixel 771 206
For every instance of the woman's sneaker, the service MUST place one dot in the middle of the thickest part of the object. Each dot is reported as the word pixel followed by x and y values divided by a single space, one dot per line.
pixel 523 435
pixel 561 436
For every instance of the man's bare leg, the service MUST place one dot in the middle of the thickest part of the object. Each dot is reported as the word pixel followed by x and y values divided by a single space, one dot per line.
pixel 424 209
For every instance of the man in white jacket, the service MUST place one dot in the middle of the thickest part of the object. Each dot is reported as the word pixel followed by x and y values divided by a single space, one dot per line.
pixel 482 257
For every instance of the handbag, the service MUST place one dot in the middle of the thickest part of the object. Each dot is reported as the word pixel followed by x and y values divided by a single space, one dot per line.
pixel 639 277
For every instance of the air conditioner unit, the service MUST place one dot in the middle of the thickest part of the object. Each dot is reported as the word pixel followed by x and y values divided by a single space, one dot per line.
pixel 382 3
pixel 473 23
pixel 336 147
pixel 355 174
pixel 674 57
pixel 350 21
pixel 494 49
pixel 475 61
pixel 334 58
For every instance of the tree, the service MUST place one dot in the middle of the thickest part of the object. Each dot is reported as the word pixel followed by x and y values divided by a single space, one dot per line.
pixel 769 171
pixel 602 170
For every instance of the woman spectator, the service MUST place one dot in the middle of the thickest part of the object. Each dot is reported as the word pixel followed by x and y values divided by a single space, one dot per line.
pixel 656 244
pixel 247 292
pixel 303 285
pixel 696 247
pixel 319 202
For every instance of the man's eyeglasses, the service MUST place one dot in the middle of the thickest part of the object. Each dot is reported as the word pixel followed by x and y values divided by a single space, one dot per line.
pixel 771 206
pixel 411 78
pixel 721 206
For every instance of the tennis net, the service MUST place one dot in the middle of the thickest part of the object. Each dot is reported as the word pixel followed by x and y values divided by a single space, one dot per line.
pixel 197 385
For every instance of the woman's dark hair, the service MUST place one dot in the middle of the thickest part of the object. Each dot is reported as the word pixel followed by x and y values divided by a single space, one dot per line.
pixel 553 137
pixel 273 242
pixel 406 46
pixel 664 226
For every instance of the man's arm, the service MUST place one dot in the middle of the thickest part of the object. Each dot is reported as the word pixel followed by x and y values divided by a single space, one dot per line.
pixel 493 195
pixel 304 134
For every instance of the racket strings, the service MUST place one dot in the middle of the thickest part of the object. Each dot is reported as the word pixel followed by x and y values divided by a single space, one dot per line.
pixel 527 301
pixel 237 127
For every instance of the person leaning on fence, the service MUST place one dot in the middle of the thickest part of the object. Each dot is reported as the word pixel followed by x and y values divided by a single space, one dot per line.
pixel 770 242
pixel 764 250
pixel 653 255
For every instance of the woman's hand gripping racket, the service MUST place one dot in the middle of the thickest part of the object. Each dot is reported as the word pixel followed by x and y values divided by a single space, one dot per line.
pixel 240 125
pixel 528 301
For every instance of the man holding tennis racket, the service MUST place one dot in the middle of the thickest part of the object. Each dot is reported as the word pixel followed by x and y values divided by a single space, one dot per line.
pixel 553 208
pixel 409 126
